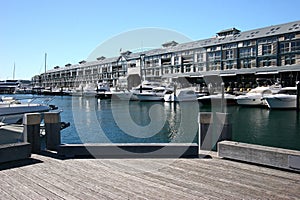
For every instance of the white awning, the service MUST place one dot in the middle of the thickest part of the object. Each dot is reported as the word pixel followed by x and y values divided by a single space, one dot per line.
pixel 266 72
pixel 232 74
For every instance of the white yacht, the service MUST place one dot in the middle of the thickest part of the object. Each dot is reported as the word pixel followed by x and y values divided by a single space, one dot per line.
pixel 185 94
pixel 156 94
pixel 122 94
pixel 285 99
pixel 254 97
pixel 12 111
pixel 216 99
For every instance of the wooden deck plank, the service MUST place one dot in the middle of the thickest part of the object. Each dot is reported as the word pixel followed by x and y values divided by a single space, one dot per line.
pixel 133 179
pixel 249 180
pixel 120 181
pixel 77 174
pixel 14 181
pixel 177 188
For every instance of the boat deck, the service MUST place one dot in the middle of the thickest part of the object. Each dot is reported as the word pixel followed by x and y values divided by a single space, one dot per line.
pixel 48 177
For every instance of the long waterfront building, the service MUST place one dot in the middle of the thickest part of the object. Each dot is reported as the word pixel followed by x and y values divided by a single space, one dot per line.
pixel 238 57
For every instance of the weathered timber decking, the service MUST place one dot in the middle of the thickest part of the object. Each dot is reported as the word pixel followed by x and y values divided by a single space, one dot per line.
pixel 43 177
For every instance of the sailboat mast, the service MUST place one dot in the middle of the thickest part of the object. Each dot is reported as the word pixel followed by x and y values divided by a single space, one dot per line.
pixel 45 69
pixel 14 71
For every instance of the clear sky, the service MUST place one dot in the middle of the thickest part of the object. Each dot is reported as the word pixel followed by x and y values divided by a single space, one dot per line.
pixel 69 30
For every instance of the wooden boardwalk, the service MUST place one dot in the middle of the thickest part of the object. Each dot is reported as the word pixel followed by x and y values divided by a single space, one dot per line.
pixel 44 177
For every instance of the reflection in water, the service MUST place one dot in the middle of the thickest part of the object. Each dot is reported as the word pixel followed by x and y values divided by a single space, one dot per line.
pixel 92 121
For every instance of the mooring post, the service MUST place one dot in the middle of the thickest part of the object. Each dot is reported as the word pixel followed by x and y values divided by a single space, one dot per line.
pixel 223 126
pixel 205 131
pixel 31 130
pixel 298 96
pixel 52 128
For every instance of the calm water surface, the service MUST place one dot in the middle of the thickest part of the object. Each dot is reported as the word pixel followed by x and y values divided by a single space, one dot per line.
pixel 111 121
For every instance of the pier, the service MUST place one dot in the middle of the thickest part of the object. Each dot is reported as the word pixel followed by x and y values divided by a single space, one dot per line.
pixel 46 177
pixel 234 172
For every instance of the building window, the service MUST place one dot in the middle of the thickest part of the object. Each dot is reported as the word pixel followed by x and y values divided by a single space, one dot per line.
pixel 167 71
pixel 212 66
pixel 266 62
pixel 187 68
pixel 285 47
pixel 176 69
pixel 230 65
pixel 176 61
pixel 290 36
pixel 229 54
pixel 247 52
pixel 201 66
pixel 212 56
pixel 295 46
pixel 267 49
pixel 290 60
pixel 200 57
pixel 248 63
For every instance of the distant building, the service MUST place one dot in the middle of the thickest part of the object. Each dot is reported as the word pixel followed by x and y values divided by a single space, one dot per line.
pixel 236 56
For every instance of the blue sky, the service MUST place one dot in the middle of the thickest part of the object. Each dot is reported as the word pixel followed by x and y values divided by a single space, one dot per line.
pixel 69 30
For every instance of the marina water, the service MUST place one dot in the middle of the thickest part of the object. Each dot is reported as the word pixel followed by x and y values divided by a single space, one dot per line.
pixel 109 121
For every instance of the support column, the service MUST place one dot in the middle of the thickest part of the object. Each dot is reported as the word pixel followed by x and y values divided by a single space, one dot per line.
pixel 52 128
pixel 31 123
pixel 205 131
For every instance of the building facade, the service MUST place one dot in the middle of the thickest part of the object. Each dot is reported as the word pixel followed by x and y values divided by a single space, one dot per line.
pixel 271 52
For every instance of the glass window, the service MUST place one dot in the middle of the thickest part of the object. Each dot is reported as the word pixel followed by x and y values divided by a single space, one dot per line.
pixel 285 47
pixel 290 36
pixel 229 54
pixel 266 49
pixel 201 66
pixel 290 60
pixel 295 46
pixel 214 56
pixel 200 57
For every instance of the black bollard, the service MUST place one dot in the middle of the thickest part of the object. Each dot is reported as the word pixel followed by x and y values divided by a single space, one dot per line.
pixel 52 128
pixel 31 123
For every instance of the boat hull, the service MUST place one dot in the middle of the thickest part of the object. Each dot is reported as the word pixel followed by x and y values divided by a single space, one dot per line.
pixel 250 101
pixel 14 114
pixel 282 102
pixel 149 97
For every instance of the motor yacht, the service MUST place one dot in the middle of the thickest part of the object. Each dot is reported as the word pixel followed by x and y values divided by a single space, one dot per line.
pixel 156 94
pixel 12 110
pixel 217 99
pixel 285 99
pixel 179 95
pixel 254 97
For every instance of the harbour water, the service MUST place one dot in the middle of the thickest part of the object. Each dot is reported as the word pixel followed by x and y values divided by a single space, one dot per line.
pixel 110 121
pixel 94 121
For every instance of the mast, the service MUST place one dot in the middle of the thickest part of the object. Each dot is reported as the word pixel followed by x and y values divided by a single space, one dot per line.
pixel 14 71
pixel 45 69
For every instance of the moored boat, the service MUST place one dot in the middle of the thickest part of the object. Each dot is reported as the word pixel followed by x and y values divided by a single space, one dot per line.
pixel 254 97
pixel 156 94
pixel 179 95
pixel 12 110
pixel 285 99
pixel 217 99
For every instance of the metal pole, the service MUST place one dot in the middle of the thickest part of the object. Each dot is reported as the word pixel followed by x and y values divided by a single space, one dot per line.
pixel 298 96
pixel 222 100
pixel 45 68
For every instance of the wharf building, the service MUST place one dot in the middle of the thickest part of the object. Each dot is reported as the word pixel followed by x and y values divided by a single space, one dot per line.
pixel 238 57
